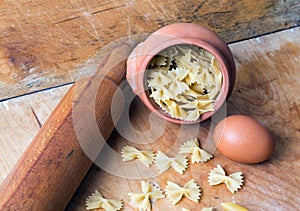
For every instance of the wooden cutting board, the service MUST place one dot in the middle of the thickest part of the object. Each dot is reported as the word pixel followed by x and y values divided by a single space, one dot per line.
pixel 49 43
pixel 267 88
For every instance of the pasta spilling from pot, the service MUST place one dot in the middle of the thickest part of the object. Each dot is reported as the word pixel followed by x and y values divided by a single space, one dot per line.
pixel 184 80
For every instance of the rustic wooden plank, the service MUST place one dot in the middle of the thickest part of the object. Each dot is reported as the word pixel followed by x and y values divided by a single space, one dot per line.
pixel 18 124
pixel 250 56
pixel 267 88
pixel 58 158
pixel 47 43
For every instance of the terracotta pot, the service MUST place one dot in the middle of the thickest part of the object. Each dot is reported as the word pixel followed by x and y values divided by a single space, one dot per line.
pixel 180 33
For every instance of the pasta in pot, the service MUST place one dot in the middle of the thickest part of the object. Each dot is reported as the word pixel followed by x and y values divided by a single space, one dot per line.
pixel 184 80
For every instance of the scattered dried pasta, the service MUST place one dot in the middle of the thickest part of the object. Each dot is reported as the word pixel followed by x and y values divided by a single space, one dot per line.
pixel 185 209
pixel 184 80
pixel 233 181
pixel 163 162
pixel 96 201
pixel 190 190
pixel 145 156
pixel 149 192
pixel 198 154
pixel 207 209
pixel 232 207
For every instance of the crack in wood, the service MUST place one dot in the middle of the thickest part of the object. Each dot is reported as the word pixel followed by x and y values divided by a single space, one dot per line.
pixel 198 7
pixel 36 117
pixel 66 20
pixel 93 13
pixel 112 8
pixel 222 12
pixel 70 154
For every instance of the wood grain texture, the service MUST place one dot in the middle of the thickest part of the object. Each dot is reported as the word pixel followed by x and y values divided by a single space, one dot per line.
pixel 56 161
pixel 18 124
pixel 267 88
pixel 49 43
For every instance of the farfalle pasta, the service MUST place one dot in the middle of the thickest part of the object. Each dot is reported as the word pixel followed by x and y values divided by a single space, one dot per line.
pixel 190 190
pixel 198 154
pixel 142 200
pixel 145 156
pixel 163 162
pixel 97 201
pixel 184 80
pixel 233 181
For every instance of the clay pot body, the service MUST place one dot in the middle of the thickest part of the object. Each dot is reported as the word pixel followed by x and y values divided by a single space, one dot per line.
pixel 174 34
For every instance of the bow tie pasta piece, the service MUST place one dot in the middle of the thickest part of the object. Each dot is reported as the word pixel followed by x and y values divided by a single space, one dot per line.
pixel 215 69
pixel 232 207
pixel 184 55
pixel 163 162
pixel 175 110
pixel 182 81
pixel 180 163
pixel 213 93
pixel 181 99
pixel 142 200
pixel 191 78
pixel 198 90
pixel 178 87
pixel 194 69
pixel 160 80
pixel 191 95
pixel 198 154
pixel 145 156
pixel 190 190
pixel 96 201
pixel 171 52
pixel 193 115
pixel 233 181
pixel 181 73
pixel 163 105
pixel 216 176
pixel 162 94
pixel 199 105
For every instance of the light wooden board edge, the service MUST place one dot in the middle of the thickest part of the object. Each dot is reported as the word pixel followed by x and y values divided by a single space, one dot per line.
pixel 46 43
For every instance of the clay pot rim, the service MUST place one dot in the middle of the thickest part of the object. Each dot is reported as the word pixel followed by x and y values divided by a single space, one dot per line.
pixel 146 57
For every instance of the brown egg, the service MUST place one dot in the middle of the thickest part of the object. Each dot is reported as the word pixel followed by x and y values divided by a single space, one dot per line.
pixel 241 138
